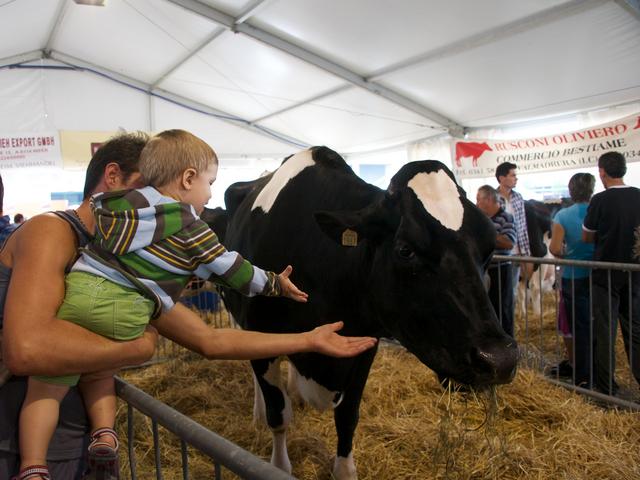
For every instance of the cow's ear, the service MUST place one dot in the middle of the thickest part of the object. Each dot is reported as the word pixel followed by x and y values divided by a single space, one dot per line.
pixel 349 228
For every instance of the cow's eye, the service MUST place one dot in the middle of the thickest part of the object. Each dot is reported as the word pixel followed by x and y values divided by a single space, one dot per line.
pixel 406 253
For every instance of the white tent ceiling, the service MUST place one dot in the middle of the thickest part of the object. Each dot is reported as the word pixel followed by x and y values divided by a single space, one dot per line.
pixel 357 75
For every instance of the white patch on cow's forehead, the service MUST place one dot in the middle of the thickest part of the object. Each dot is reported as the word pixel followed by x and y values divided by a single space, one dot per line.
pixel 439 196
pixel 286 172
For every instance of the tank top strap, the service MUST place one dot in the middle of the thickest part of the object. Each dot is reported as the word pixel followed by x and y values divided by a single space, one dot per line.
pixel 71 217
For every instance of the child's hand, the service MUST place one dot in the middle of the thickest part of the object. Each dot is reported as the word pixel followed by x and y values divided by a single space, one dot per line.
pixel 288 288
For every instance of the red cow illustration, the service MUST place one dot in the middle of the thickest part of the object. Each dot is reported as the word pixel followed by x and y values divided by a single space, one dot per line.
pixel 470 149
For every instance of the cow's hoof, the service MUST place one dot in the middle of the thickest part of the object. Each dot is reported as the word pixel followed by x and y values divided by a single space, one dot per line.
pixel 344 468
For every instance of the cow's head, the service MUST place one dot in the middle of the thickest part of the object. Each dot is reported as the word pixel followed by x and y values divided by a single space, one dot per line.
pixel 429 247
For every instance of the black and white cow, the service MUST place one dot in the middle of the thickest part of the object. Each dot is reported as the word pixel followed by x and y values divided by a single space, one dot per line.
pixel 404 263
pixel 539 217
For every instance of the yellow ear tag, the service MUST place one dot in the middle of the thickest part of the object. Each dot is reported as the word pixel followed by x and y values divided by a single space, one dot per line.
pixel 349 238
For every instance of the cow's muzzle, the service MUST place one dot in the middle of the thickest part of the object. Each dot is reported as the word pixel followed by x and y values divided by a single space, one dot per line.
pixel 495 363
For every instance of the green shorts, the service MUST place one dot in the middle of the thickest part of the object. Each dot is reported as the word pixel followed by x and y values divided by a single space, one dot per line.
pixel 105 308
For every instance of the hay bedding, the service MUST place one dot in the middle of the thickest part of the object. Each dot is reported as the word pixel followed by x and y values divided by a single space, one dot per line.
pixel 409 428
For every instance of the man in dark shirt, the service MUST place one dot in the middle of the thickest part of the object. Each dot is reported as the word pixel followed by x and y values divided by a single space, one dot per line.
pixel 501 275
pixel 611 219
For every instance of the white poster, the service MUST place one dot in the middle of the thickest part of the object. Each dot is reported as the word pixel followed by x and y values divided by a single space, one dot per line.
pixel 24 150
pixel 581 148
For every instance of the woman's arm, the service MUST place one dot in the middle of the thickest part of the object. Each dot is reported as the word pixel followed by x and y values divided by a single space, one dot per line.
pixel 34 340
pixel 588 236
pixel 185 327
pixel 557 240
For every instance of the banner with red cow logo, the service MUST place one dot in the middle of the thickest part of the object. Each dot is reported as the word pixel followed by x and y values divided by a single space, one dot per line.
pixel 581 148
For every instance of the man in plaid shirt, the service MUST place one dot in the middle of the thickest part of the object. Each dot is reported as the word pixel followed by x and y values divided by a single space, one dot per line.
pixel 513 203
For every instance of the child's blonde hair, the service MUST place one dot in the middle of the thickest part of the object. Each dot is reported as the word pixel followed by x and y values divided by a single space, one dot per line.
pixel 167 155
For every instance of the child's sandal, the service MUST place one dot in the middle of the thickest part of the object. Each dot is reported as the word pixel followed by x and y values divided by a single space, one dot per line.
pixel 33 472
pixel 103 458
pixel 96 445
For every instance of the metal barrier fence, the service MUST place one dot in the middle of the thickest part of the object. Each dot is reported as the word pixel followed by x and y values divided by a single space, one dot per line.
pixel 539 338
pixel 204 298
pixel 222 452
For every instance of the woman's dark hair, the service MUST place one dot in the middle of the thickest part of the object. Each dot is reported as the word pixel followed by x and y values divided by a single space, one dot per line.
pixel 581 187
pixel 123 149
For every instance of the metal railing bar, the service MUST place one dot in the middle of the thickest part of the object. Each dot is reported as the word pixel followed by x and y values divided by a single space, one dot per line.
pixel 541 337
pixel 221 450
pixel 156 448
pixel 132 458
pixel 573 325
pixel 185 460
pixel 556 298
pixel 633 267
pixel 597 395
pixel 611 345
pixel 591 337
pixel 526 318
pixel 630 336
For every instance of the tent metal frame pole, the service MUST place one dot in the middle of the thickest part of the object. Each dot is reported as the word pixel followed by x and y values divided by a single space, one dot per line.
pixel 178 99
pixel 21 58
pixel 152 113
pixel 192 53
pixel 247 13
pixel 314 59
pixel 251 10
pixel 328 93
pixel 55 28
pixel 78 63
pixel 503 31
pixel 232 119
pixel 631 6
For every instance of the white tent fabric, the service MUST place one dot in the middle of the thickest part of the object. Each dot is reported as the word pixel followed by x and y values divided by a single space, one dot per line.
pixel 263 78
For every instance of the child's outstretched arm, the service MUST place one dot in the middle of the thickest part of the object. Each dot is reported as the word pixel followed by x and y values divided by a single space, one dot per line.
pixel 288 288
pixel 230 269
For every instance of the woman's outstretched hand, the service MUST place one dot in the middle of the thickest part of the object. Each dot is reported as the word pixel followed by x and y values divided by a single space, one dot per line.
pixel 324 339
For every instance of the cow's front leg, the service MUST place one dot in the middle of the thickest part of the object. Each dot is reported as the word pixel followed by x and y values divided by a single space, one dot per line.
pixel 346 416
pixel 522 296
pixel 272 405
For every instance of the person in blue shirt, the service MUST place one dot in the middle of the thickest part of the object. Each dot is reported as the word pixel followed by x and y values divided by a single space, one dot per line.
pixel 566 242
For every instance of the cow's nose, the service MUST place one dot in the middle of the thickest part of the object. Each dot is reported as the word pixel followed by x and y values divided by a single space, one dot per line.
pixel 496 362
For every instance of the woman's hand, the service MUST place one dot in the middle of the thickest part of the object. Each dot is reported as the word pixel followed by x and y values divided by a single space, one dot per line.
pixel 324 339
